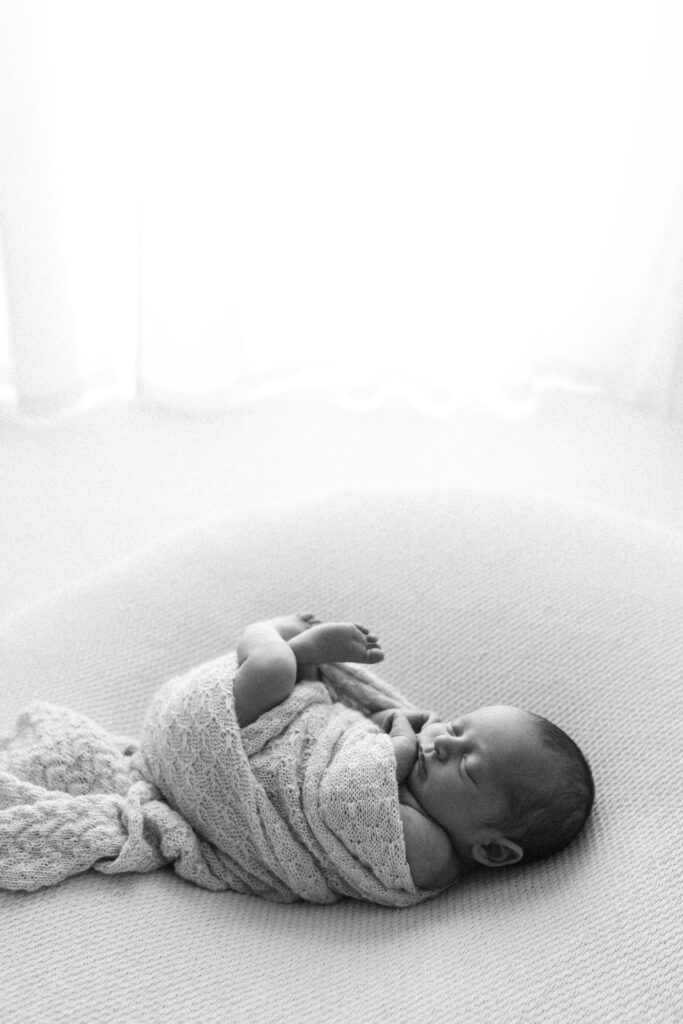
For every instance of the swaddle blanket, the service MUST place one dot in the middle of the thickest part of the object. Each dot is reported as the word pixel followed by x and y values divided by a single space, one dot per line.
pixel 300 804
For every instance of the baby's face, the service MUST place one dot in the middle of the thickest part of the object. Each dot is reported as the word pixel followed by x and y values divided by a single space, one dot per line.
pixel 461 766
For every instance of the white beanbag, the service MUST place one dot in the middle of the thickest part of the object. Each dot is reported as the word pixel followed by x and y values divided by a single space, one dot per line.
pixel 477 599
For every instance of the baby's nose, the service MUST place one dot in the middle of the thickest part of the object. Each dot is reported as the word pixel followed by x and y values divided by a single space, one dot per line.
pixel 446 745
pixel 430 732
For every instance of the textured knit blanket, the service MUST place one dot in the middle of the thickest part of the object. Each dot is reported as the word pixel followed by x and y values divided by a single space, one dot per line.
pixel 301 804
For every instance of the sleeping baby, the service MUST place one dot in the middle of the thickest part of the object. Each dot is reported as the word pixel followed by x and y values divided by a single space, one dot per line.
pixel 287 769
pixel 493 787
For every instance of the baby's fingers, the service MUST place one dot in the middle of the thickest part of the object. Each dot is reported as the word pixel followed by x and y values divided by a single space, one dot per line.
pixel 418 719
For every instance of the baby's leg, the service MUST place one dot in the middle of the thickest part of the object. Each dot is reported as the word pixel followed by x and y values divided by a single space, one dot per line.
pixel 267 669
pixel 285 627
pixel 270 666
pixel 334 641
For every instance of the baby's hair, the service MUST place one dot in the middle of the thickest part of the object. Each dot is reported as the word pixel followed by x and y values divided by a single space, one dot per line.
pixel 544 824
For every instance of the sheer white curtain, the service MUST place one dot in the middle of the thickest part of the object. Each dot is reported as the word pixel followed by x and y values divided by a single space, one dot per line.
pixel 454 201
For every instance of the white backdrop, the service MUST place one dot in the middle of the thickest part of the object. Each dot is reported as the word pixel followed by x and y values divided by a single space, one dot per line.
pixel 199 200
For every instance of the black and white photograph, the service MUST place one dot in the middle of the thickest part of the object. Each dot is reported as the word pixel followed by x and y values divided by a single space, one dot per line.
pixel 341 512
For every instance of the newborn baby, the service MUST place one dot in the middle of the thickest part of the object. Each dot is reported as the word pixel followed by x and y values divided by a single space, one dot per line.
pixel 492 787
pixel 286 769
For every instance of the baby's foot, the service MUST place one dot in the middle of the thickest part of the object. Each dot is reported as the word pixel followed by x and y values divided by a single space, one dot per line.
pixel 289 626
pixel 336 641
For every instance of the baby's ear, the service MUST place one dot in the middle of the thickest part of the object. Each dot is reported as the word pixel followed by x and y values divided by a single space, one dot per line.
pixel 496 853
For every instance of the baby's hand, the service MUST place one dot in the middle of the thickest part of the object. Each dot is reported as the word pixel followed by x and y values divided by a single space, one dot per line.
pixel 418 719
pixel 402 727
pixel 384 718
pixel 404 743
pixel 415 719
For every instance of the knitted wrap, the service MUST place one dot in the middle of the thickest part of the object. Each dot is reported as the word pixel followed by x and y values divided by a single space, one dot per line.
pixel 300 804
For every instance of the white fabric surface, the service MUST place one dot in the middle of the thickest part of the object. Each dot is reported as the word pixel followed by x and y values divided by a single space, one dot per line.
pixel 477 599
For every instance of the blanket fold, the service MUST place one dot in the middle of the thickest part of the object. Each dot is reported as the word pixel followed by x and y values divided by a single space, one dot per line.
pixel 301 804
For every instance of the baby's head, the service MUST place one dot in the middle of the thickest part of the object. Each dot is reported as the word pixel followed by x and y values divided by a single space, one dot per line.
pixel 505 784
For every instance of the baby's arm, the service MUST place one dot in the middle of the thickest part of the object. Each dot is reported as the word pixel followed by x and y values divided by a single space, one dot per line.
pixel 398 725
pixel 404 742
pixel 430 856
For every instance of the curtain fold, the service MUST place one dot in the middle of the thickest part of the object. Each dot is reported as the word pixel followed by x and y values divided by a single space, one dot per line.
pixel 69 165
pixel 39 317
pixel 201 201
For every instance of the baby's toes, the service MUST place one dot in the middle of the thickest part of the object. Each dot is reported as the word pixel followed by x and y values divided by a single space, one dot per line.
pixel 374 655
pixel 309 618
pixel 366 637
pixel 372 647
